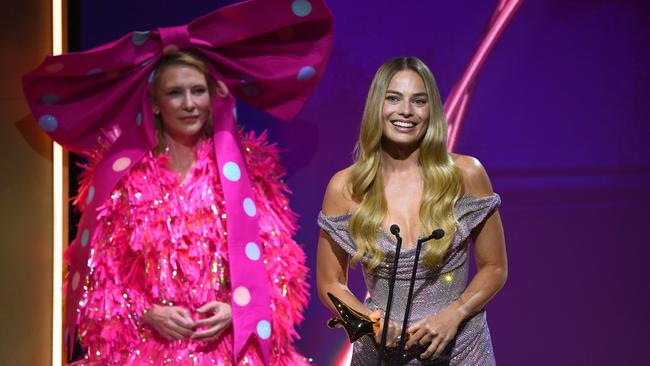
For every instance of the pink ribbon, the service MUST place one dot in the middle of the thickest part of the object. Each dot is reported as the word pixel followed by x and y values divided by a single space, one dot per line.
pixel 271 54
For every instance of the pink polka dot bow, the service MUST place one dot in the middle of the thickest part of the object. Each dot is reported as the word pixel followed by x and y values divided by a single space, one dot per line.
pixel 271 54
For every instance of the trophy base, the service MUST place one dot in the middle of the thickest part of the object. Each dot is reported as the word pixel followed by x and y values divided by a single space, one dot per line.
pixel 392 356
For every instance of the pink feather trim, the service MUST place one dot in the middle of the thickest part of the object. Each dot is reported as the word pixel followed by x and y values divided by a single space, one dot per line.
pixel 161 241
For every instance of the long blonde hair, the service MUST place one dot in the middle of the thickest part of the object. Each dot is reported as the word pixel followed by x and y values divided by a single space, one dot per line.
pixel 442 180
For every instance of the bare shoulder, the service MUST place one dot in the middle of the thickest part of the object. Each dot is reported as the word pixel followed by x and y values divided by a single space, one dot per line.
pixel 338 200
pixel 475 179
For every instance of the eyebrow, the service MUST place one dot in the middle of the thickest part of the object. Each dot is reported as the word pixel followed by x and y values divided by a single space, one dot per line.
pixel 183 86
pixel 400 94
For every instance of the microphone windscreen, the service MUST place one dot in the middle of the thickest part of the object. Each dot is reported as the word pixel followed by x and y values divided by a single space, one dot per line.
pixel 438 234
pixel 394 229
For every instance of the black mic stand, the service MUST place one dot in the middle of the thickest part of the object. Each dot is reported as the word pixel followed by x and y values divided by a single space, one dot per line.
pixel 394 229
pixel 437 234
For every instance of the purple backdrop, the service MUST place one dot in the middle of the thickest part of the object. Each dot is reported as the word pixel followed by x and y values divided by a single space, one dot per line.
pixel 558 118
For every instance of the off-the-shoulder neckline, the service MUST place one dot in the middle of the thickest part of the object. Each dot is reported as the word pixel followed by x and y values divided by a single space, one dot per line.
pixel 464 198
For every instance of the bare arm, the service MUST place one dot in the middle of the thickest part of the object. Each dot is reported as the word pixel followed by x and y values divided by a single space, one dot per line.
pixel 332 275
pixel 332 261
pixel 489 248
pixel 490 252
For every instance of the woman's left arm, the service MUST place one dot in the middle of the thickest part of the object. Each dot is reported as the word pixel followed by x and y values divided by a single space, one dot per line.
pixel 489 245
pixel 491 275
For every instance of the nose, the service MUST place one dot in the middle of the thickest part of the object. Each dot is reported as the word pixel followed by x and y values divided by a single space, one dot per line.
pixel 188 101
pixel 405 108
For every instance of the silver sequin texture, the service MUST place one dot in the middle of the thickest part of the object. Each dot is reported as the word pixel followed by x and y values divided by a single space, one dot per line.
pixel 435 288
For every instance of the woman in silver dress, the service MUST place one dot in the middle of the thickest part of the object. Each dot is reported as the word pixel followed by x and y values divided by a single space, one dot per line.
pixel 404 175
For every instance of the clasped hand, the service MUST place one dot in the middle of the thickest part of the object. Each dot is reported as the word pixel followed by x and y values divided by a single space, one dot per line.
pixel 394 330
pixel 435 331
pixel 175 322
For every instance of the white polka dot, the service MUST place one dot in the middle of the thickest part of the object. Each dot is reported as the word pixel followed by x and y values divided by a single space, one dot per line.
pixel 306 73
pixel 95 71
pixel 121 164
pixel 252 251
pixel 139 38
pixel 56 67
pixel 301 8
pixel 264 329
pixel 85 235
pixel 50 99
pixel 75 280
pixel 138 119
pixel 170 48
pixel 249 207
pixel 48 123
pixel 231 171
pixel 241 296
pixel 91 194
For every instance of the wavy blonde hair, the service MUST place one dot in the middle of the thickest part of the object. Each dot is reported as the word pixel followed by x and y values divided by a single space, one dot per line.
pixel 442 180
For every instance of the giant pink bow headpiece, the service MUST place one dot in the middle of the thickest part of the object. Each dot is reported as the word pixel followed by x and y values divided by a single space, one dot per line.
pixel 271 54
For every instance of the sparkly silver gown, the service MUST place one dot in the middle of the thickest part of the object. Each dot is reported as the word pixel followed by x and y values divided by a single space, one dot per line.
pixel 435 288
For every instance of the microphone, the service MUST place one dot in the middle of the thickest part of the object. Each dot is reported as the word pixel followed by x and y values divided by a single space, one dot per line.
pixel 394 229
pixel 436 234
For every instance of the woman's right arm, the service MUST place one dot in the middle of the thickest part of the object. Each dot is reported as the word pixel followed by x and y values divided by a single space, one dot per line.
pixel 332 261
pixel 332 275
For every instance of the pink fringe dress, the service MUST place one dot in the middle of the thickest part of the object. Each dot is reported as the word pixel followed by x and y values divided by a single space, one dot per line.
pixel 162 240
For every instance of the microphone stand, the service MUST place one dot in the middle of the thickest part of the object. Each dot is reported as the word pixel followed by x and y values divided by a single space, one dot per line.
pixel 394 229
pixel 437 234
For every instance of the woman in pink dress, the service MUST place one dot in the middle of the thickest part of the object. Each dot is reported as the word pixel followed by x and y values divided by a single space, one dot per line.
pixel 159 290
pixel 185 253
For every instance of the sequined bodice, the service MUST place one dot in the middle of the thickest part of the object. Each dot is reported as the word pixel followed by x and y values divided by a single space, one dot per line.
pixel 434 288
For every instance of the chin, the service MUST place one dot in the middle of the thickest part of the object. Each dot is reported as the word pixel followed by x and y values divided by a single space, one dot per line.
pixel 193 130
pixel 403 139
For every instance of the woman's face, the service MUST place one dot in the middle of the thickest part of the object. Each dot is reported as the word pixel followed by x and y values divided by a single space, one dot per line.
pixel 182 99
pixel 406 109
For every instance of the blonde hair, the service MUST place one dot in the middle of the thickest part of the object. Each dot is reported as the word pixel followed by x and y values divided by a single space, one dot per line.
pixel 180 58
pixel 442 180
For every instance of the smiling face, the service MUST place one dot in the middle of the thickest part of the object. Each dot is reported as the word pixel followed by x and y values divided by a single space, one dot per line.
pixel 182 100
pixel 405 110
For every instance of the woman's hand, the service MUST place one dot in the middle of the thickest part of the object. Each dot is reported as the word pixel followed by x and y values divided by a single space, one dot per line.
pixel 436 331
pixel 171 322
pixel 394 331
pixel 219 320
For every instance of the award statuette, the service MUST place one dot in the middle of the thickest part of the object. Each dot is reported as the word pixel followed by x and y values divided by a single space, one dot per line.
pixel 355 323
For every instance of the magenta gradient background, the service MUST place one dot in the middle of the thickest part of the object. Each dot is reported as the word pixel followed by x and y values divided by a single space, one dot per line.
pixel 559 119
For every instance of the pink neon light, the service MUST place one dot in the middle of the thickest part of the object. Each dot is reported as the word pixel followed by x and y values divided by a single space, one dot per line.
pixel 455 106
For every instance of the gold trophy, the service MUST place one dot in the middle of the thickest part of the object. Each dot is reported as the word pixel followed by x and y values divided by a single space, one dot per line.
pixel 355 323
